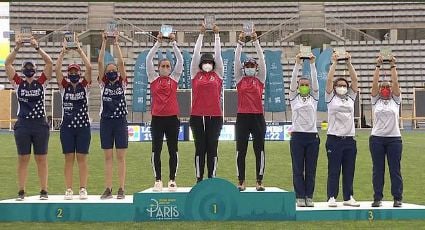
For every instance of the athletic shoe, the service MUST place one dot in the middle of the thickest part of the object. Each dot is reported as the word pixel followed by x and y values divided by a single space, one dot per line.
pixel 309 202
pixel 83 194
pixel 120 194
pixel 157 187
pixel 68 194
pixel 300 202
pixel 198 180
pixel 332 202
pixel 377 203
pixel 21 195
pixel 172 186
pixel 43 195
pixel 260 186
pixel 241 185
pixel 351 202
pixel 397 204
pixel 107 194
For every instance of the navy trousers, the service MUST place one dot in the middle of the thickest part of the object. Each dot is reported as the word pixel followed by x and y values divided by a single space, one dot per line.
pixel 341 153
pixel 391 147
pixel 304 152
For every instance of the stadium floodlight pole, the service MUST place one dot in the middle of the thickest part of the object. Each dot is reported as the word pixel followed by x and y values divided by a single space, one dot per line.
pixel 60 29
pixel 138 28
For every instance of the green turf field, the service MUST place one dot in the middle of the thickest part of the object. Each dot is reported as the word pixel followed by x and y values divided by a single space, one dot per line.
pixel 278 173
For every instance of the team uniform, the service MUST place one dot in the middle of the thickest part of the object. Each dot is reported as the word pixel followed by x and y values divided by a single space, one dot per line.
pixel 305 141
pixel 31 127
pixel 340 144
pixel 206 119
pixel 250 116
pixel 385 141
pixel 164 111
pixel 75 128
pixel 113 113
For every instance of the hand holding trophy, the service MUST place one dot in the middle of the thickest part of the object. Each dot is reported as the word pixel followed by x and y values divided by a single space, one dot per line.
pixel 209 21
pixel 305 52
pixel 166 31
pixel 70 40
pixel 341 53
pixel 25 34
pixel 111 29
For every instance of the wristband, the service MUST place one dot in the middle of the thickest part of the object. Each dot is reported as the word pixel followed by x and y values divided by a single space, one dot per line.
pixel 393 66
pixel 378 66
pixel 37 48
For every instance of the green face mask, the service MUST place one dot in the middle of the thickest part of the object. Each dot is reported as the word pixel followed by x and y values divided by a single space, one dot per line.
pixel 304 90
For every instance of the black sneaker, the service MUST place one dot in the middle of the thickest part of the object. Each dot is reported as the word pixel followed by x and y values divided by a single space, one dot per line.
pixel 376 203
pixel 259 186
pixel 198 180
pixel 21 195
pixel 107 194
pixel 241 186
pixel 120 194
pixel 43 195
pixel 397 203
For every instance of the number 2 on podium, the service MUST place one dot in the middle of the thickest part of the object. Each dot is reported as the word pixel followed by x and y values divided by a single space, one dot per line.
pixel 59 213
pixel 214 208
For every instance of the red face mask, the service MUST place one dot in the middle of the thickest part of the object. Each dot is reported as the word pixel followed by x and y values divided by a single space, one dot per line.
pixel 385 93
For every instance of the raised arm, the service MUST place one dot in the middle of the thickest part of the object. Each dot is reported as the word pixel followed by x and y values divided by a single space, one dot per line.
pixel 178 69
pixel 58 65
pixel 87 74
pixel 375 81
pixel 101 59
pixel 313 74
pixel 353 75
pixel 120 62
pixel 48 63
pixel 294 83
pixel 150 68
pixel 196 58
pixel 261 60
pixel 238 64
pixel 219 66
pixel 395 86
pixel 331 74
pixel 10 70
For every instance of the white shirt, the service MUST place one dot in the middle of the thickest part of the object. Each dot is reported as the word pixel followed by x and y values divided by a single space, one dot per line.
pixel 386 116
pixel 341 113
pixel 304 109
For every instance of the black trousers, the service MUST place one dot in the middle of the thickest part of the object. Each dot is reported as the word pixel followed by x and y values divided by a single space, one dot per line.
pixel 206 131
pixel 168 125
pixel 255 125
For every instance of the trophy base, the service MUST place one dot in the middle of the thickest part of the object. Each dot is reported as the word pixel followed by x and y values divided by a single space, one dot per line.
pixel 342 59
pixel 305 58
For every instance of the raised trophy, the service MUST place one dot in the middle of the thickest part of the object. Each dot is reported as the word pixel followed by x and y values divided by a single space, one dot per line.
pixel 305 52
pixel 70 40
pixel 166 31
pixel 248 28
pixel 342 54
pixel 25 34
pixel 111 29
pixel 209 21
pixel 386 54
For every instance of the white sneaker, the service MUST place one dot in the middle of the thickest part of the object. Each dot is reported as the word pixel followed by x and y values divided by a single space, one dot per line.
pixel 68 194
pixel 157 187
pixel 332 202
pixel 172 186
pixel 351 202
pixel 83 194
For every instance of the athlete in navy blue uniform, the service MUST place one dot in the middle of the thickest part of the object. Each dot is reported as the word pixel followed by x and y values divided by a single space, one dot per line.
pixel 113 123
pixel 75 128
pixel 31 128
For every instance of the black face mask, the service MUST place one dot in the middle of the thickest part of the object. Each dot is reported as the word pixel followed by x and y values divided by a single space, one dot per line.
pixel 74 78
pixel 28 72
pixel 111 76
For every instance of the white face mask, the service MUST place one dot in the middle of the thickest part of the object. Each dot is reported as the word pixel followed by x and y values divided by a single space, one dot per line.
pixel 341 90
pixel 164 72
pixel 207 67
pixel 250 71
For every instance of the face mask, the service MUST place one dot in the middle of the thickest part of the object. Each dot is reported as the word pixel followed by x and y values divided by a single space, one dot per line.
pixel 111 76
pixel 164 72
pixel 341 90
pixel 74 78
pixel 304 90
pixel 28 72
pixel 250 71
pixel 207 67
pixel 385 93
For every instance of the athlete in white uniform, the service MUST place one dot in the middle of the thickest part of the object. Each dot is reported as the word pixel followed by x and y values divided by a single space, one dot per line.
pixel 340 143
pixel 385 139
pixel 305 141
